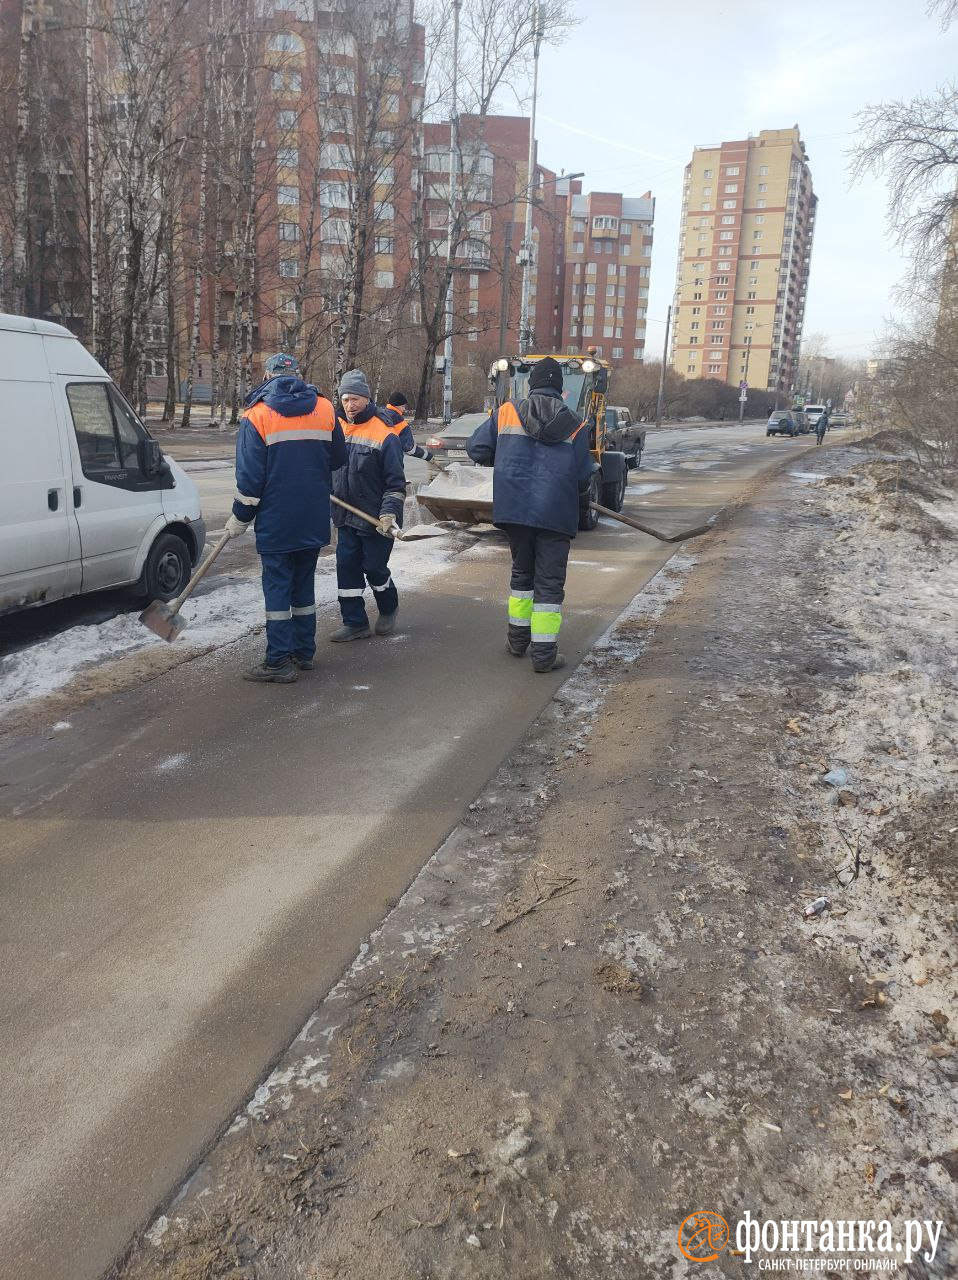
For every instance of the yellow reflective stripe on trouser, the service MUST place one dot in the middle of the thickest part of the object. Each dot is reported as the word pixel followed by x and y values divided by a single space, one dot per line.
pixel 520 608
pixel 546 621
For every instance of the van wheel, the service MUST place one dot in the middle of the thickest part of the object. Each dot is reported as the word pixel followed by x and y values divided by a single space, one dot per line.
pixel 167 569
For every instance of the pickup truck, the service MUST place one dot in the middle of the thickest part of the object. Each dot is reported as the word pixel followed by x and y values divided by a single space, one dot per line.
pixel 623 434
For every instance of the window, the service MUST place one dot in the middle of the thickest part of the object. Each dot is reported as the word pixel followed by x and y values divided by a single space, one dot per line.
pixel 625 250
pixel 723 266
pixel 731 188
pixel 287 195
pixel 590 291
pixel 578 246
pixel 696 297
pixel 383 279
pixel 763 171
pixel 587 331
pixel 480 222
pixel 474 281
pixel 763 187
pixel 386 175
pixel 335 155
pixel 728 220
pixel 334 195
pixel 339 80
pixel 588 311
pixel 696 311
pixel 707 191
pixel 751 294
pixel 718 324
pixel 759 204
pixel 287 157
pixel 638 353
pixel 607 331
pixel 438 219
pixel 383 211
pixel 107 430
pixel 750 311
pixel 286 42
pixel 760 217
pixel 289 266
pixel 720 311
pixel 573 330
pixel 625 228
pixel 473 306
pixel 753 266
pixel 721 293
pixel 707 173
pixel 715 368
pixel 473 335
pixel 757 235
pixel 695 324
pixel 287 82
pixel 703 236
pixel 693 341
pixel 726 235
pixel 610 290
pixel 392 104
pixel 610 313
pixel 384 244
pixel 721 279
pixel 731 171
pixel 578 226
pixel 605 224
pixel 287 119
pixel 335 231
pixel 616 353
pixel 753 279
pixel 591 268
pixel 289 231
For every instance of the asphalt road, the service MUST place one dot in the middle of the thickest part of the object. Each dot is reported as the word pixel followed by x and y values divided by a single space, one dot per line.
pixel 189 870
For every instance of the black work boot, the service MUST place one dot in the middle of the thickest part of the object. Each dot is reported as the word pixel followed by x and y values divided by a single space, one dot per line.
pixel 546 657
pixel 345 634
pixel 285 673
pixel 386 622
pixel 517 640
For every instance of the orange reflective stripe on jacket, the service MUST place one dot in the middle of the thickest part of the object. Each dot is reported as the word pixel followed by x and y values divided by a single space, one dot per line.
pixel 373 432
pixel 274 428
pixel 508 421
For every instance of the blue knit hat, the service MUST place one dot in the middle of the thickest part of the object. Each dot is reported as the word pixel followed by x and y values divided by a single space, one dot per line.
pixel 282 364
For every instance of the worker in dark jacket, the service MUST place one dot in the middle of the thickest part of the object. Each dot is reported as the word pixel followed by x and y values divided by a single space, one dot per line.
pixel 289 444
pixel 540 452
pixel 399 406
pixel 373 481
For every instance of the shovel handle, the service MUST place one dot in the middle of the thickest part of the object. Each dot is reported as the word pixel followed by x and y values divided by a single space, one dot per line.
pixel 198 575
pixel 644 528
pixel 363 515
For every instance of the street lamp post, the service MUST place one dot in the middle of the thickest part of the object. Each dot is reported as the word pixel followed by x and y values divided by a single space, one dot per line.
pixel 660 399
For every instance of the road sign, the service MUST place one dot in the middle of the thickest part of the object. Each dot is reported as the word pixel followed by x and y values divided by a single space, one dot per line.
pixel 743 397
pixel 743 386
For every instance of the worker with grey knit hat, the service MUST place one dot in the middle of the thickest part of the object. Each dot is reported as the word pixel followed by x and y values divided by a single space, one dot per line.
pixel 372 480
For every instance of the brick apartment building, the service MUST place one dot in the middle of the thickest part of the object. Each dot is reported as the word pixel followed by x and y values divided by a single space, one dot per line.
pixel 748 217
pixel 607 268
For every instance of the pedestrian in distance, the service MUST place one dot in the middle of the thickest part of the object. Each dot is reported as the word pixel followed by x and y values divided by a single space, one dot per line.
pixel 373 481
pixel 288 446
pixel 539 450
pixel 398 405
pixel 821 426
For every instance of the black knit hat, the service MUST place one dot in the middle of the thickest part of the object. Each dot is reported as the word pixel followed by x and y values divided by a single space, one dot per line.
pixel 397 397
pixel 546 373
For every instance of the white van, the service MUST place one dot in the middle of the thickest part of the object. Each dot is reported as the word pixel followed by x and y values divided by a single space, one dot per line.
pixel 87 498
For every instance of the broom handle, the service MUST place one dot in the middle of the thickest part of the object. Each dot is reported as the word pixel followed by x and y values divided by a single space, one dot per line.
pixel 363 515
pixel 644 528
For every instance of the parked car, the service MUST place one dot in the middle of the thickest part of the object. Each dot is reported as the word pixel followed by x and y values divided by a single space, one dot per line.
pixel 87 498
pixel 449 443
pixel 624 434
pixel 813 412
pixel 786 422
pixel 839 418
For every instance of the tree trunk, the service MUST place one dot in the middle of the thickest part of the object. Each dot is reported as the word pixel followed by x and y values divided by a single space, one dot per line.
pixel 200 229
pixel 92 210
pixel 21 213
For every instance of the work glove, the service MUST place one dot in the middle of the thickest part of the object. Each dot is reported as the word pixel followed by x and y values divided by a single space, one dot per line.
pixel 388 526
pixel 236 527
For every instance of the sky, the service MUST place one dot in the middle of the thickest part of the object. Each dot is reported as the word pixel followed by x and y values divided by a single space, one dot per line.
pixel 639 83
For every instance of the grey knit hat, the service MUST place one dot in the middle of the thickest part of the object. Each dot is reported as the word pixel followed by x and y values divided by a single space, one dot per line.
pixel 354 384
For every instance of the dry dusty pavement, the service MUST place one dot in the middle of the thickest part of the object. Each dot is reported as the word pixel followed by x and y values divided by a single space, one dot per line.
pixel 599 1008
pixel 190 862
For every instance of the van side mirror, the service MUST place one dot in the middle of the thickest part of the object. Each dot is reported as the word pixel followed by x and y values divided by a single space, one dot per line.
pixel 150 457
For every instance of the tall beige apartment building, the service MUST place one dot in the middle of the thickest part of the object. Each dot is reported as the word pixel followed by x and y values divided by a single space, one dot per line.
pixel 748 215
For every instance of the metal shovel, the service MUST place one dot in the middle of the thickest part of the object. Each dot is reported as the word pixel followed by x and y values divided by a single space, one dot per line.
pixel 164 619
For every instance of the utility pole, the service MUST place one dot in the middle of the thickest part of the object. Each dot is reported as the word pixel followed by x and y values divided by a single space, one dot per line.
pixel 525 329
pixel 743 389
pixel 450 218
pixel 504 299
pixel 660 402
